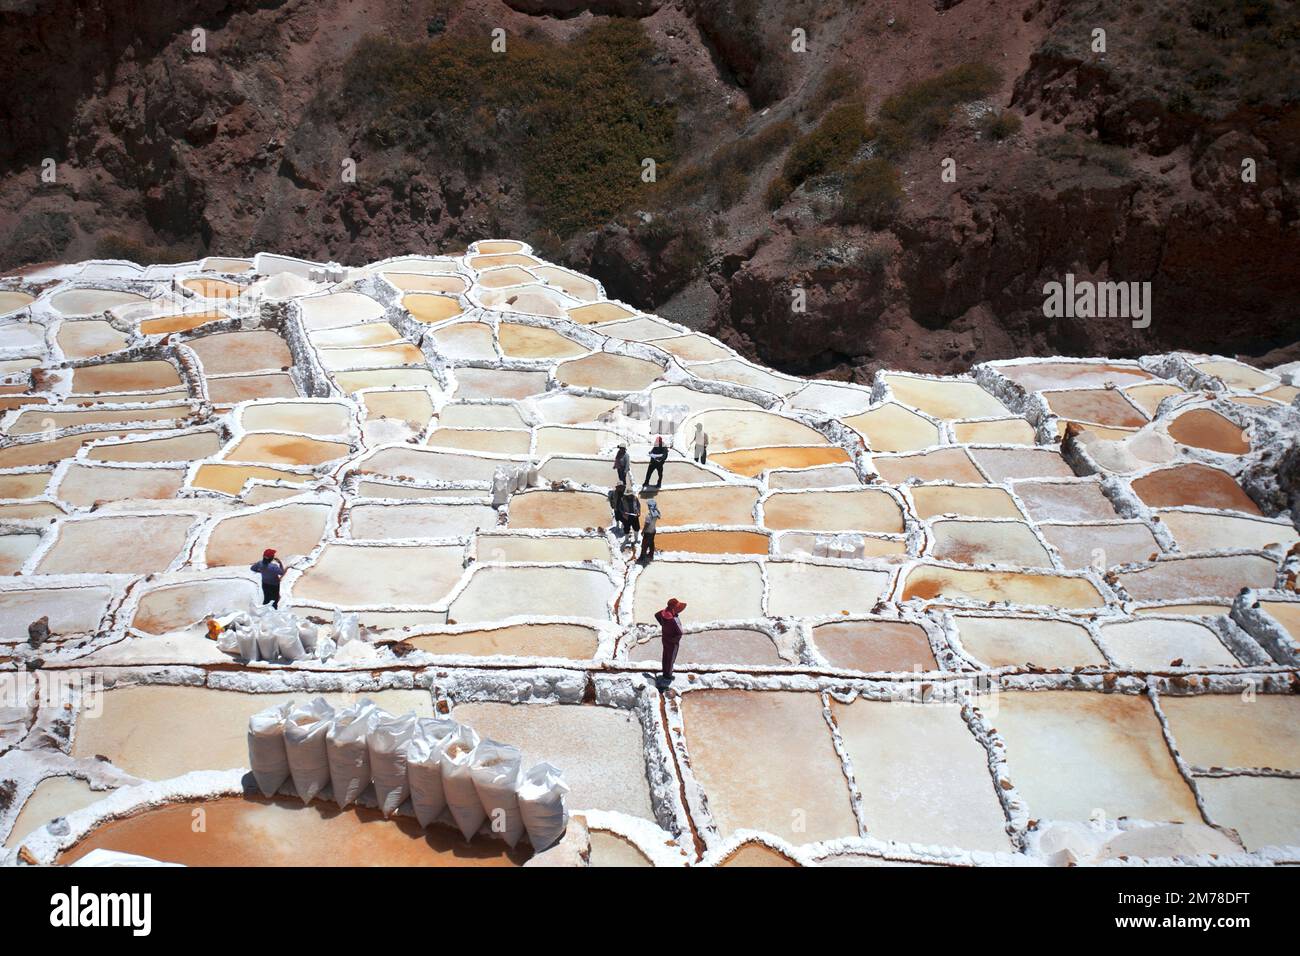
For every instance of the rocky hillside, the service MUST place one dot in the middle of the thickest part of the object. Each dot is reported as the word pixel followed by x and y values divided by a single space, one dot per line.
pixel 799 152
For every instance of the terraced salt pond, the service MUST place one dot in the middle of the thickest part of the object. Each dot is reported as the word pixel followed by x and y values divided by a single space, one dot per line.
pixel 919 616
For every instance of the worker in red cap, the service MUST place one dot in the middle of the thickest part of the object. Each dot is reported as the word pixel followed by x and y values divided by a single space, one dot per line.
pixel 271 571
pixel 671 634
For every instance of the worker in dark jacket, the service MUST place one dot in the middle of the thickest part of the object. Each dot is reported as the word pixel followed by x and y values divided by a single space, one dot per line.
pixel 271 571
pixel 622 464
pixel 631 515
pixel 648 532
pixel 671 634
pixel 658 455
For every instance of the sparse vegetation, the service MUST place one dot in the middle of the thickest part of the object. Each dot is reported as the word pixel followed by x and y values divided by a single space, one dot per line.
pixel 829 147
pixel 114 246
pixel 586 111
pixel 1084 152
pixel 1000 124
pixel 871 193
pixel 920 111
pixel 837 85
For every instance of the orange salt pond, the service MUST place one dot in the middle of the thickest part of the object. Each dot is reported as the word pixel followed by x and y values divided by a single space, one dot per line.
pixel 930 583
pixel 1203 428
pixel 253 831
pixel 232 352
pixel 1193 484
pixel 875 646
pixel 430 307
pixel 180 322
pixel 559 509
pixel 1104 406
pixel 754 461
pixel 712 542
pixel 599 312
pixel 973 501
pixel 279 449
pixel 866 509
pixel 229 479
pixel 717 504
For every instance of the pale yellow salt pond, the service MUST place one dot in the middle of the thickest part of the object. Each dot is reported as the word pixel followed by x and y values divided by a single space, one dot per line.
pixel 173 607
pixel 1104 546
pixel 527 341
pixel 504 276
pixel 53 797
pixel 944 398
pixel 25 485
pixel 314 417
pixel 740 372
pixel 74 302
pixel 1003 431
pixel 766 762
pixel 604 370
pixel 430 464
pixel 293 529
pixel 72 610
pixel 931 583
pixel 1021 641
pixel 496 441
pixel 275 448
pixel 531 299
pixel 13 301
pixel 694 348
pixel 570 641
pixel 801 589
pixel 1003 464
pixel 356 336
pixel 1223 730
pixel 891 427
pixel 497 592
pixel 125 377
pixel 1265 811
pixel 730 429
pixel 431 307
pixel 480 383
pixel 939 464
pixel 570 283
pixel 696 400
pixel 15 549
pixel 608 849
pixel 864 509
pixel 252 831
pixel 504 259
pixel 1071 752
pixel 1236 374
pixel 923 776
pixel 384 378
pixel 1153 643
pixel 480 415
pixel 99 545
pixel 561 408
pixel 549 549
pixel 84 484
pixel 1033 376
pixel 712 592
pixel 214 288
pixel 174 448
pixel 717 504
pixel 1010 543
pixel 37 420
pixel 424 282
pixel 599 312
pixel 972 501
pixel 80 340
pixel 752 462
pixel 824 476
pixel 419 520
pixel 559 509
pixel 415 407
pixel 563 440
pixel 377 575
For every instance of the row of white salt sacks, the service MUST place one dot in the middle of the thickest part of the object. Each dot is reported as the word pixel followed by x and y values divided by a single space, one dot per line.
pixel 437 763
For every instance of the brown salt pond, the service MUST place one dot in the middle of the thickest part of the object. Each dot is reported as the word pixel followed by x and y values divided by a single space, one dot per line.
pixel 873 646
pixel 1193 484
pixel 1182 578
pixel 27 485
pixel 275 448
pixel 713 592
pixel 988 542
pixel 570 641
pixel 756 854
pixel 431 307
pixel 1021 641
pixel 174 448
pixel 864 509
pixel 232 389
pixel 974 501
pixel 929 583
pixel 923 776
pixel 125 377
pixel 99 545
pixel 1103 406
pixel 1081 546
pixel 420 520
pixel 496 592
pixel 371 576
pixel 528 341
pixel 766 761
pixel 295 528
pixel 713 542
pixel 712 504
pixel 1202 531
pixel 232 352
pixel 1071 752
pixel 604 370
pixel 940 464
pixel 1002 431
pixel 172 607
pixel 253 831
pixel 945 398
pixel 1034 376
pixel 754 461
pixel 800 589
pixel 724 647
pixel 559 509
pixel 1223 730
pixel 80 340
pixel 892 427
pixel 1204 428
pixel 1001 464
pixel 84 484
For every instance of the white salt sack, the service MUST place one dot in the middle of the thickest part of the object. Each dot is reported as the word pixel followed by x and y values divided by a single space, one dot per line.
pixel 388 742
pixel 495 771
pixel 307 635
pixel 541 804
pixel 247 639
pixel 266 753
pixel 458 781
pixel 424 767
pixel 305 730
pixel 288 644
pixel 348 750
pixel 267 648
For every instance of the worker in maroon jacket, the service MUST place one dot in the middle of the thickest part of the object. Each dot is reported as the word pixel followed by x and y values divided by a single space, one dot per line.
pixel 669 621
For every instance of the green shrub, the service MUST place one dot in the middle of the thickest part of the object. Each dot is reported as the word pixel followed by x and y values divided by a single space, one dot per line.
pixel 871 193
pixel 838 84
pixel 830 145
pixel 115 246
pixel 920 111
pixel 777 192
pixel 1000 124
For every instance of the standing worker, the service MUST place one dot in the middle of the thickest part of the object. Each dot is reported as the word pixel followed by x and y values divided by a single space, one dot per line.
pixel 271 571
pixel 631 516
pixel 701 443
pixel 658 455
pixel 648 532
pixel 622 464
pixel 671 635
